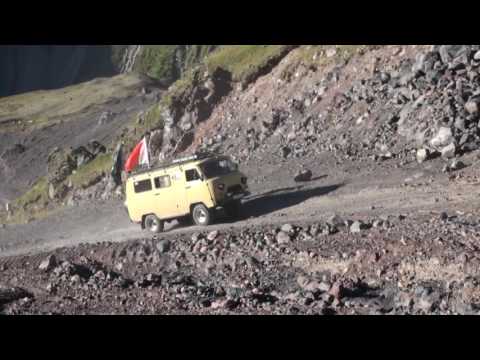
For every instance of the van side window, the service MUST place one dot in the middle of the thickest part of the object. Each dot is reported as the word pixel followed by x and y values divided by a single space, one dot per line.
pixel 143 186
pixel 192 175
pixel 162 182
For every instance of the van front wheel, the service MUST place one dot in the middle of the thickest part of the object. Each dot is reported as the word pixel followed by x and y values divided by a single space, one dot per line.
pixel 154 224
pixel 201 215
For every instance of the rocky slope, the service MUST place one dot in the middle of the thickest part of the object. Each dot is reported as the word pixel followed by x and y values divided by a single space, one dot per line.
pixel 336 267
pixel 410 103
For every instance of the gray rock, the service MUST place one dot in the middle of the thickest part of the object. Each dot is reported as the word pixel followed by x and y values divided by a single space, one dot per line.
pixel 357 227
pixel 422 155
pixel 449 151
pixel 457 165
pixel 283 238
pixel 425 303
pixel 460 123
pixel 454 166
pixel 472 107
pixel 8 295
pixel 477 56
pixel 324 286
pixel 303 176
pixel 75 279
pixel 196 237
pixel 49 263
pixel 285 151
pixel 287 228
pixel 449 52
pixel 331 52
pixel 329 229
pixel 336 221
pixel 163 246
pixel 419 65
pixel 443 137
pixel 443 216
pixel 212 235
pixel 384 77
pixel 378 223
pixel 337 291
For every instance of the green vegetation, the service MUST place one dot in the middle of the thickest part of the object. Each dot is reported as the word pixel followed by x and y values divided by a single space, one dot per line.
pixel 181 86
pixel 40 108
pixel 35 202
pixel 169 62
pixel 315 54
pixel 158 61
pixel 243 60
pixel 84 175
pixel 196 54
pixel 37 194
pixel 32 202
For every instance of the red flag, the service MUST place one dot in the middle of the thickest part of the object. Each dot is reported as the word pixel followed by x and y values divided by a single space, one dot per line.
pixel 138 155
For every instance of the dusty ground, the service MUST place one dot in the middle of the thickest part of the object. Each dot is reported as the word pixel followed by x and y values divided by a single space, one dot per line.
pixel 350 190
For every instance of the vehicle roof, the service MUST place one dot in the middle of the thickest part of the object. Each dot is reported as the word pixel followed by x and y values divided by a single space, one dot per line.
pixel 174 165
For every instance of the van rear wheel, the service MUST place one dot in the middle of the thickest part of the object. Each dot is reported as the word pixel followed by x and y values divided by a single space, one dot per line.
pixel 154 224
pixel 201 215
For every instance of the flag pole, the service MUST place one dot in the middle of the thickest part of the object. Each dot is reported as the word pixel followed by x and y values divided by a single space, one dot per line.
pixel 147 140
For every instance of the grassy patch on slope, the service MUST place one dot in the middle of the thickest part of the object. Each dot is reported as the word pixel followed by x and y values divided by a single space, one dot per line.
pixel 243 60
pixel 102 164
pixel 40 108
pixel 35 202
pixel 169 62
pixel 157 61
pixel 30 204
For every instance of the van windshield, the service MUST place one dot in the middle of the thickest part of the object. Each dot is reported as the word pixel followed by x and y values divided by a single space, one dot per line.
pixel 218 167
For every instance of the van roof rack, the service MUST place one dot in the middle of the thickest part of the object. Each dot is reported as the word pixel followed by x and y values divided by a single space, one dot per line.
pixel 194 157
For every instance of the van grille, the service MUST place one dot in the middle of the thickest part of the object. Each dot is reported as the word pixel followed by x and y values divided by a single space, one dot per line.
pixel 235 189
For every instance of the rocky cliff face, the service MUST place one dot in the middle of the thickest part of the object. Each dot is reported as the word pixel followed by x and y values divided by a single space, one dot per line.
pixel 28 68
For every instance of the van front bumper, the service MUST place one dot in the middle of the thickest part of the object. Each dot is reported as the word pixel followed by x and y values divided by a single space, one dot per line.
pixel 229 197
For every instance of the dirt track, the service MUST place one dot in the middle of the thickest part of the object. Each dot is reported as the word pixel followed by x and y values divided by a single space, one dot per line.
pixel 364 192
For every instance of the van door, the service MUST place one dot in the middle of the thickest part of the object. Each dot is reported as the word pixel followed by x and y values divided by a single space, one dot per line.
pixel 141 201
pixel 196 190
pixel 167 202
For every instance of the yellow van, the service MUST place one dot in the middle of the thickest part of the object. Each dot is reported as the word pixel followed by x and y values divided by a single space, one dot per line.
pixel 194 187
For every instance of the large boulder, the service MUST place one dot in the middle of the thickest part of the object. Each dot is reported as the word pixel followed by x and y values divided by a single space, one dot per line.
pixel 443 137
pixel 303 175
pixel 472 106
pixel 96 148
pixel 81 156
pixel 60 164
pixel 422 155
pixel 449 151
